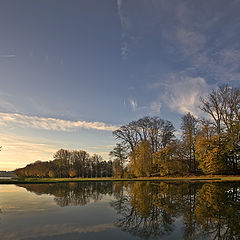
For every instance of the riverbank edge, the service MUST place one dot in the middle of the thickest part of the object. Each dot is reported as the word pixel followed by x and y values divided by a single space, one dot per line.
pixel 155 179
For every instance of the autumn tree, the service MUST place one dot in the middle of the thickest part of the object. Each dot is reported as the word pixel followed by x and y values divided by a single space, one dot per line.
pixel 142 138
pixel 141 160
pixel 119 155
pixel 223 107
pixel 62 158
pixel 96 159
pixel 158 132
pixel 217 210
pixel 189 132
pixel 210 151
pixel 169 160
pixel 66 163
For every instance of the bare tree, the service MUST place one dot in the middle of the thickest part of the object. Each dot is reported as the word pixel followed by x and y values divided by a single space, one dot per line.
pixel 158 132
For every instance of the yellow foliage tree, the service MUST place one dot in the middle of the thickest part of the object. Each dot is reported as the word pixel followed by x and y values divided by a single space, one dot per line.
pixel 167 161
pixel 141 160
pixel 72 173
pixel 160 159
pixel 210 154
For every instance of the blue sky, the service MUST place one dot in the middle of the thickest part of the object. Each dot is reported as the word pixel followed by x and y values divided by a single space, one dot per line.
pixel 73 71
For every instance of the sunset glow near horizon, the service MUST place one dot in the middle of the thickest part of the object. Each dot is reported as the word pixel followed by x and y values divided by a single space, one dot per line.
pixel 71 71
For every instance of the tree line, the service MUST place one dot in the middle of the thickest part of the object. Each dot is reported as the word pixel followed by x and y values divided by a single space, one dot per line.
pixel 67 163
pixel 149 146
pixel 209 145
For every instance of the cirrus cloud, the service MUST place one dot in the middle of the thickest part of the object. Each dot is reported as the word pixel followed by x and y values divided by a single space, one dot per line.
pixel 182 93
pixel 55 124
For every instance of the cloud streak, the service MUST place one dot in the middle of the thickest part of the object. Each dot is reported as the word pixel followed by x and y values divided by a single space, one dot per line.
pixel 55 124
pixel 208 54
pixel 206 48
pixel 155 108
pixel 133 104
pixel 8 56
pixel 181 93
pixel 126 26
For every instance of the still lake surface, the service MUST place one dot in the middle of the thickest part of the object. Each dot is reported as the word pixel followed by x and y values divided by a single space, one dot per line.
pixel 120 210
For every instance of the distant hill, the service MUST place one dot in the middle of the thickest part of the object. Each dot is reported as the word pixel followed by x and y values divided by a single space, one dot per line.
pixel 6 174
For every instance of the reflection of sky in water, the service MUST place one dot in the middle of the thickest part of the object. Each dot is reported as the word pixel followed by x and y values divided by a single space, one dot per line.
pixel 26 215
pixel 16 200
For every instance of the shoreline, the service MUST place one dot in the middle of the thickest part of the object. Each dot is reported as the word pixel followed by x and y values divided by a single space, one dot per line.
pixel 210 178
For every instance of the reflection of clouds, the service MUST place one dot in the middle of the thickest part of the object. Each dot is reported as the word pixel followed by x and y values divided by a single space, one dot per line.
pixel 28 205
pixel 17 200
pixel 26 215
pixel 52 230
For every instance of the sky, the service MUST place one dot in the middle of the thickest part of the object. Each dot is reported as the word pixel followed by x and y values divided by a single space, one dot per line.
pixel 72 71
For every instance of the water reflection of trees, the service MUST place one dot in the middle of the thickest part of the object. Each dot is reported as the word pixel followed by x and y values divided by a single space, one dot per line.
pixel 218 210
pixel 71 194
pixel 151 209
pixel 208 211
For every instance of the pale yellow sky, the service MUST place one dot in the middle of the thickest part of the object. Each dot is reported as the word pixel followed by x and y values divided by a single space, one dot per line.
pixel 18 151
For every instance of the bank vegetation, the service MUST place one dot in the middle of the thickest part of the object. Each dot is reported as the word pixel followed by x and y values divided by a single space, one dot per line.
pixel 151 147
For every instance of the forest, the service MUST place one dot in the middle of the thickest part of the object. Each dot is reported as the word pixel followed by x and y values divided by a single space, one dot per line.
pixel 66 163
pixel 151 146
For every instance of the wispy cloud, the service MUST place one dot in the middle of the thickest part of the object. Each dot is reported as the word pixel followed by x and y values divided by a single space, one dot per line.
pixel 133 104
pixel 205 52
pixel 190 42
pixel 8 56
pixel 206 48
pixel 155 108
pixel 7 106
pixel 103 147
pixel 26 121
pixel 101 150
pixel 124 19
pixel 181 93
pixel 124 49
pixel 125 28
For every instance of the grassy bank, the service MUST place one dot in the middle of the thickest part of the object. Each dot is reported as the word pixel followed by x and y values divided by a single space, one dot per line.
pixel 166 179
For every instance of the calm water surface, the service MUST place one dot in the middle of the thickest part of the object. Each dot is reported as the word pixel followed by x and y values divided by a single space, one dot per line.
pixel 136 210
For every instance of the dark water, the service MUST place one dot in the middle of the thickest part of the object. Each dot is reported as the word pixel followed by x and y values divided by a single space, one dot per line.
pixel 136 210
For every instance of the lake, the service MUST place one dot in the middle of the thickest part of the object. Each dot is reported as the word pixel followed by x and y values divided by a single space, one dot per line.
pixel 6 178
pixel 120 210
